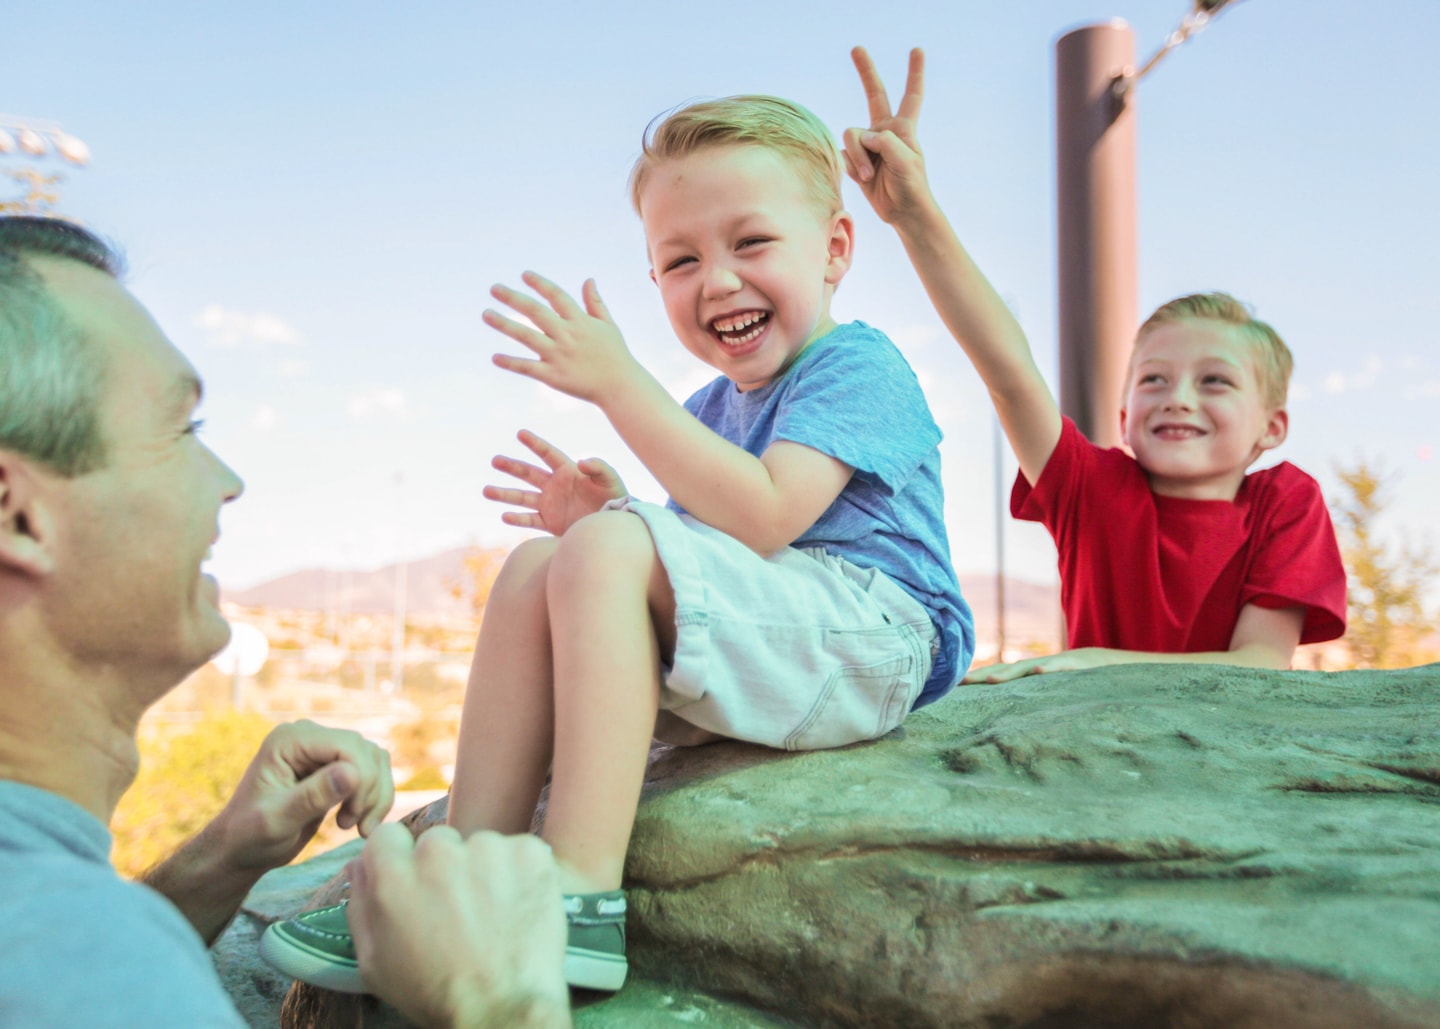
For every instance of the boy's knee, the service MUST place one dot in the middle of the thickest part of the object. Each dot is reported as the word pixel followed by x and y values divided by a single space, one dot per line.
pixel 607 543
pixel 522 564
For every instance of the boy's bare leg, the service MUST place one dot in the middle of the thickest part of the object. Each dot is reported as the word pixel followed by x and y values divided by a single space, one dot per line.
pixel 612 615
pixel 507 728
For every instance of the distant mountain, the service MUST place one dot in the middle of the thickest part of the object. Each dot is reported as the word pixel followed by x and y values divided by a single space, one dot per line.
pixel 1032 610
pixel 430 584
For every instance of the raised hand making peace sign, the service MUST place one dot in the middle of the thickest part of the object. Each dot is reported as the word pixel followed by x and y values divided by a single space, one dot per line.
pixel 885 159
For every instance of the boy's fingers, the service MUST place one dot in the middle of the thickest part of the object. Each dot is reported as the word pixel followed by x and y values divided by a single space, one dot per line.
pixel 525 366
pixel 537 314
pixel 519 469
pixel 887 146
pixel 593 303
pixel 914 86
pixel 553 456
pixel 562 303
pixel 515 497
pixel 535 340
pixel 857 158
pixel 874 89
pixel 522 519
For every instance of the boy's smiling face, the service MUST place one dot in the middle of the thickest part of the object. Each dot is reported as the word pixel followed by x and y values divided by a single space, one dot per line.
pixel 1195 416
pixel 745 257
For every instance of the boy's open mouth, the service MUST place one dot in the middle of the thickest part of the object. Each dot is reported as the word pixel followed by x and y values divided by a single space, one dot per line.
pixel 737 329
pixel 1177 431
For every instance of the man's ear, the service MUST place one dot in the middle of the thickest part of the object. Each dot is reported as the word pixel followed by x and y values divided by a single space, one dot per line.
pixel 842 247
pixel 25 539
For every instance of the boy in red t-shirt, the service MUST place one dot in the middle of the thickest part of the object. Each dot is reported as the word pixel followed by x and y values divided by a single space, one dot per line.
pixel 1174 553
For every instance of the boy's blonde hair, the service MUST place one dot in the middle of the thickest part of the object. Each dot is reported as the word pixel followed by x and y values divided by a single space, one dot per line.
pixel 762 121
pixel 1273 360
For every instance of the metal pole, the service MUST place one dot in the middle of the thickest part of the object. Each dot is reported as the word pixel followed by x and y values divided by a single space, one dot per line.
pixel 999 543
pixel 402 568
pixel 397 637
pixel 1095 181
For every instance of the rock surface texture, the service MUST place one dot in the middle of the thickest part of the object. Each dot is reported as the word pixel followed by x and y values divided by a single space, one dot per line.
pixel 1151 845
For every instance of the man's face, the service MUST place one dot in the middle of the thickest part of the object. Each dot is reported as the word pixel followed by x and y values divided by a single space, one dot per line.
pixel 131 537
pixel 745 259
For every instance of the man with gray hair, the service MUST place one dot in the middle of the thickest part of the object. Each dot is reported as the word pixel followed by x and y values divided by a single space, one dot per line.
pixel 109 503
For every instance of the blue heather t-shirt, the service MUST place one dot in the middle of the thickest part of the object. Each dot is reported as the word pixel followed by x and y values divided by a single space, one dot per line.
pixel 79 946
pixel 851 395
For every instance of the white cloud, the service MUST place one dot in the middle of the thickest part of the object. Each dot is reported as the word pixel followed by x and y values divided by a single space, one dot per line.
pixel 293 368
pixel 1428 390
pixel 226 328
pixel 1342 382
pixel 265 418
pixel 377 402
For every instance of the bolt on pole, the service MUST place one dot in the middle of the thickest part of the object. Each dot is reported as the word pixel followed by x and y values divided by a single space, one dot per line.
pixel 1095 181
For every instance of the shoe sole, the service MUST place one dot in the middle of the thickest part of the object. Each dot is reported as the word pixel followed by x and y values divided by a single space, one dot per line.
pixel 316 967
pixel 594 970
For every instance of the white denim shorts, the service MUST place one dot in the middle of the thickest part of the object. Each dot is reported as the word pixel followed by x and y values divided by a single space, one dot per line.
pixel 800 650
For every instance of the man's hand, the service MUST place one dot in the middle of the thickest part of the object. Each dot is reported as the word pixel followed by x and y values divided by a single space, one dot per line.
pixel 301 771
pixel 461 932
pixel 885 159
pixel 577 350
pixel 563 495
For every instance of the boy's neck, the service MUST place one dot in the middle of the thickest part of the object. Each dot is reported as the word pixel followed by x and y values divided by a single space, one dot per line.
pixel 1225 488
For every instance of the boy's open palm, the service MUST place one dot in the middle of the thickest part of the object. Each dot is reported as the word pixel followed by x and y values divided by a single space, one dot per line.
pixel 562 495
pixel 578 350
pixel 885 159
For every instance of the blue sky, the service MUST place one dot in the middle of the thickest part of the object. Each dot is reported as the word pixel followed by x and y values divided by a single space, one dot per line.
pixel 316 197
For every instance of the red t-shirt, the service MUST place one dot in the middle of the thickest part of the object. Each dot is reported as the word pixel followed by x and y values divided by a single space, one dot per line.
pixel 1140 571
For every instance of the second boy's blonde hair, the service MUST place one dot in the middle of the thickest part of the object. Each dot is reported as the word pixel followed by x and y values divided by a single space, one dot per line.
pixel 1273 360
pixel 762 121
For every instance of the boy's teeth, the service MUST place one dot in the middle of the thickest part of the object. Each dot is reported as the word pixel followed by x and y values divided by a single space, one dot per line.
pixel 740 329
pixel 736 324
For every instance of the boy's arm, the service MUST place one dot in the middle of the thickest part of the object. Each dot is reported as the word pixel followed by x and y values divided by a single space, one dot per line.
pixel 765 502
pixel 886 162
pixel 1263 638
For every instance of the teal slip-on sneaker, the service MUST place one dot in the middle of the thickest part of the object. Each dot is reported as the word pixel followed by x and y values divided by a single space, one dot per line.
pixel 315 947
pixel 595 947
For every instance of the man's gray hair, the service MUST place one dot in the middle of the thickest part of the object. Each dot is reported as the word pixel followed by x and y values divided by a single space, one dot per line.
pixel 51 378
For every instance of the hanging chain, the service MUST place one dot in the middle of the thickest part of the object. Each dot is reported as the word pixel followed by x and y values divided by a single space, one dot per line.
pixel 1198 17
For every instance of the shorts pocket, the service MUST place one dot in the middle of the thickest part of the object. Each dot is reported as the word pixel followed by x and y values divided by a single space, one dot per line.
pixel 869 694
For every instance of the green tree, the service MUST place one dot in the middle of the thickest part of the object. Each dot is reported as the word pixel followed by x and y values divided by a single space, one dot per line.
pixel 1388 623
pixel 482 565
pixel 185 779
pixel 39 196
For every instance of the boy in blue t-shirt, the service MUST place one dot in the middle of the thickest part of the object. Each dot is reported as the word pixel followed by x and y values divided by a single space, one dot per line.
pixel 796 592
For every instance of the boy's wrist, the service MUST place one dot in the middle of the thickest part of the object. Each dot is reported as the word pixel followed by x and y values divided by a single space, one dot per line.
pixel 919 219
pixel 629 391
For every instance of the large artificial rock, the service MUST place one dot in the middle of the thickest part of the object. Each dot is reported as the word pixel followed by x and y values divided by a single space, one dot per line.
pixel 1149 845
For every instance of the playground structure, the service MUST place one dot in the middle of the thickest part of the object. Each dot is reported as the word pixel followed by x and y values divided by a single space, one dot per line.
pixel 37 140
pixel 1095 99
